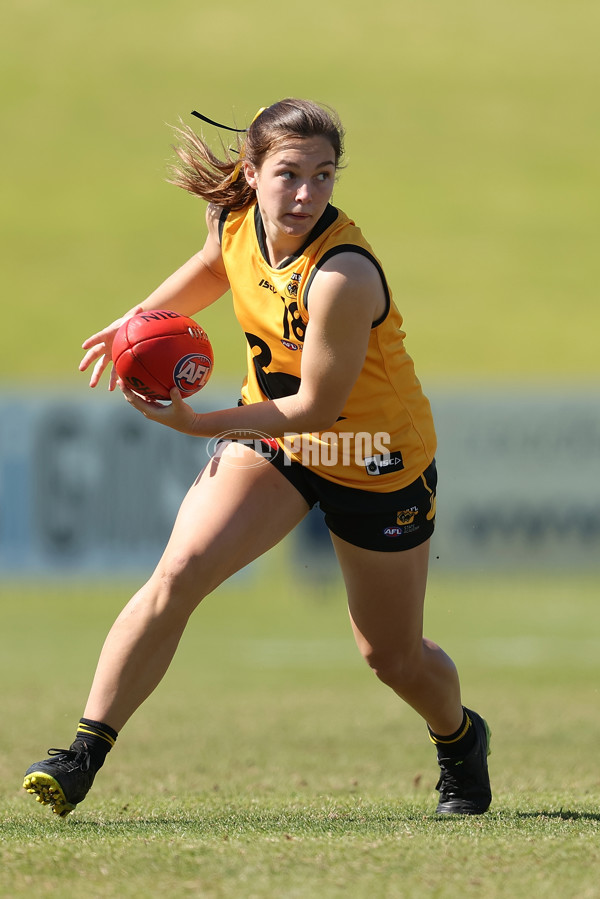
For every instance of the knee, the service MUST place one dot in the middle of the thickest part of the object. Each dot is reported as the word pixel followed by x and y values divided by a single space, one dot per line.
pixel 176 588
pixel 397 668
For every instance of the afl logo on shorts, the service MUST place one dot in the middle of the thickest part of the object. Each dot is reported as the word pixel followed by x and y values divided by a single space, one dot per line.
pixel 394 531
pixel 192 372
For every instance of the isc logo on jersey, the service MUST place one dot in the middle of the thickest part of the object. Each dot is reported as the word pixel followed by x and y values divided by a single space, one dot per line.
pixel 192 371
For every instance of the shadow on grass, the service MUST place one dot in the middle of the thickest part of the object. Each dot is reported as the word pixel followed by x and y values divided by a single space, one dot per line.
pixel 229 820
pixel 373 821
pixel 562 815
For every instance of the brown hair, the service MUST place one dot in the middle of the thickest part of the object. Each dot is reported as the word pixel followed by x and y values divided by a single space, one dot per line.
pixel 219 181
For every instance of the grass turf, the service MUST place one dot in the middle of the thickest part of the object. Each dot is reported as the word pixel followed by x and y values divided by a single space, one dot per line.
pixel 270 763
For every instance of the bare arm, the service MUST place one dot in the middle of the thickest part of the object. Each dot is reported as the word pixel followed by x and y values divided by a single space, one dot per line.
pixel 198 283
pixel 346 297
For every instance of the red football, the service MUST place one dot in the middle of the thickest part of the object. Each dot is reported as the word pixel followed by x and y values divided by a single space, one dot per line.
pixel 156 351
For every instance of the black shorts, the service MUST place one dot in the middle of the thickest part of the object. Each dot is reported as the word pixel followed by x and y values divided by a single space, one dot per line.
pixel 385 522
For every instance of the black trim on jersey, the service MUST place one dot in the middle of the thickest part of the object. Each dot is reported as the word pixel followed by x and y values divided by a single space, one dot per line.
pixel 351 248
pixel 222 219
pixel 325 222
pixel 276 384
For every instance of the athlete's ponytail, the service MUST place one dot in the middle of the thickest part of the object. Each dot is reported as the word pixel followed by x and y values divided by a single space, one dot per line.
pixel 204 174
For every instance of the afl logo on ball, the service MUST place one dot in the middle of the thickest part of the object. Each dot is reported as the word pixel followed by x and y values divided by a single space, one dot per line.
pixel 192 372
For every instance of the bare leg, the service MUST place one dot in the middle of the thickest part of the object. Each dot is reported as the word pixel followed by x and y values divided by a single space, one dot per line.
pixel 236 511
pixel 386 592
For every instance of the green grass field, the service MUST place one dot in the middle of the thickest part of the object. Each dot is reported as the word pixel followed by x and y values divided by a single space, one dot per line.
pixel 271 763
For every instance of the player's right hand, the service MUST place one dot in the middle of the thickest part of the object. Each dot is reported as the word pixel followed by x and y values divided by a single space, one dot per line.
pixel 177 414
pixel 99 350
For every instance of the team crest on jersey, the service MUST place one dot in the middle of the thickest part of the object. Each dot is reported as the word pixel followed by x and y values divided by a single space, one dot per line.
pixel 291 289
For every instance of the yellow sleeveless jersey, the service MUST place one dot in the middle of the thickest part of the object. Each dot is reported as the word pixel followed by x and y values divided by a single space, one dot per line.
pixel 384 438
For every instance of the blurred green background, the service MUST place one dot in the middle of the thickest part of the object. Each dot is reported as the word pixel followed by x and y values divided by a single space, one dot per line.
pixel 472 150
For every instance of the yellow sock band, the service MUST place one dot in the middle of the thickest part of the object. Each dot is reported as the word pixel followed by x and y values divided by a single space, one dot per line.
pixel 85 730
pixel 444 741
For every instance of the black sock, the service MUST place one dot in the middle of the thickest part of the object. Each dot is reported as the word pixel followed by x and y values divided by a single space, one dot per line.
pixel 458 744
pixel 100 739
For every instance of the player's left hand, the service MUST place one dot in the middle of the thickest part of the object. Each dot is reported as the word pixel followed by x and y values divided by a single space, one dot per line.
pixel 99 348
pixel 177 414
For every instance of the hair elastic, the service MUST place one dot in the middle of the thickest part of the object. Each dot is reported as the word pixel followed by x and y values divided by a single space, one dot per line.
pixel 218 124
pixel 238 166
pixel 239 163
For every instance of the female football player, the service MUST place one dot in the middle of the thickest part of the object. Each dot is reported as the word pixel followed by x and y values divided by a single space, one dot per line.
pixel 331 413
